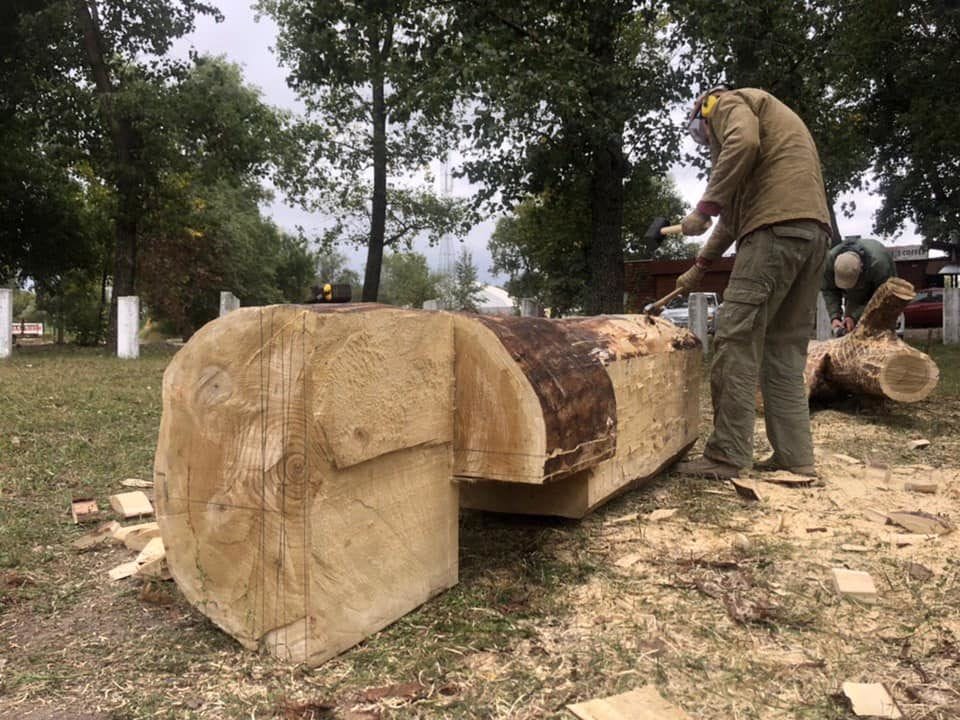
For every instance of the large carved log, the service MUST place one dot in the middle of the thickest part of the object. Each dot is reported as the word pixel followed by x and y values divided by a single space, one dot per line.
pixel 872 360
pixel 311 458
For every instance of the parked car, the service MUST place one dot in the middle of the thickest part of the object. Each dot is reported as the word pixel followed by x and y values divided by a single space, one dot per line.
pixel 926 309
pixel 677 311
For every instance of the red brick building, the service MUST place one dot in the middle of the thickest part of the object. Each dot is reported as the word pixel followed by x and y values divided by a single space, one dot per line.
pixel 647 280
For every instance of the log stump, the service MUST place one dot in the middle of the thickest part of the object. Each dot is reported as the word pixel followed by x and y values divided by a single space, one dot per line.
pixel 872 360
pixel 311 459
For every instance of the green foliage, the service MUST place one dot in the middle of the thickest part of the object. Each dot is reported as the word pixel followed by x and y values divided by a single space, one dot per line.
pixel 74 304
pixel 462 290
pixel 407 280
pixel 543 246
pixel 372 75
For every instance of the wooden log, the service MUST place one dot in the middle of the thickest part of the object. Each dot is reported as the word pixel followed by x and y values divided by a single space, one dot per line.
pixel 305 466
pixel 872 360
pixel 303 472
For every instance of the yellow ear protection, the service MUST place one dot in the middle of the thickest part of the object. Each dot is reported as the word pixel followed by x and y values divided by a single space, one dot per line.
pixel 708 105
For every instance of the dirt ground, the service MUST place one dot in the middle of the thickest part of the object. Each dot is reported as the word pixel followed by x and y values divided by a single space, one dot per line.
pixel 727 606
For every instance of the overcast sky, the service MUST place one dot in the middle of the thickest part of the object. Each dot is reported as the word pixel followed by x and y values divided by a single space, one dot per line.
pixel 247 41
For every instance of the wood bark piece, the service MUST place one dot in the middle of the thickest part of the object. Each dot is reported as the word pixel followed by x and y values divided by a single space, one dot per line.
pixel 306 465
pixel 921 522
pixel 872 360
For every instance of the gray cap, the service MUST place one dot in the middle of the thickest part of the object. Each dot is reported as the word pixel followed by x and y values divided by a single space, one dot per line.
pixel 846 270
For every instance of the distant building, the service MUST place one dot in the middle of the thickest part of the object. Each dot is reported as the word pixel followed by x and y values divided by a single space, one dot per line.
pixel 648 280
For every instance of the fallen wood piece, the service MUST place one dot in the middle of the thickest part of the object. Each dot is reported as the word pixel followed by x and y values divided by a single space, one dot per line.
pixel 84 510
pixel 645 703
pixel 628 560
pixel 122 531
pixel 871 700
pixel 876 515
pixel 905 539
pixel 855 584
pixel 124 570
pixel 623 519
pixel 153 550
pixel 927 487
pixel 137 483
pixel 131 504
pixel 97 537
pixel 845 459
pixel 918 572
pixel 783 477
pixel 662 514
pixel 139 535
pixel 872 360
pixel 155 569
pixel 746 489
pixel 919 444
pixel 854 548
pixel 921 523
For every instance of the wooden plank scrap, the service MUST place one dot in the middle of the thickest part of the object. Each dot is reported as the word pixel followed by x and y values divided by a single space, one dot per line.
pixel 854 583
pixel 847 547
pixel 99 536
pixel 623 519
pixel 919 444
pixel 746 489
pixel 139 535
pixel 640 704
pixel 131 504
pixel 84 510
pixel 123 531
pixel 921 523
pixel 136 483
pixel 784 477
pixel 154 549
pixel 876 515
pixel 628 560
pixel 662 514
pixel 871 700
pixel 155 568
pixel 921 486
pixel 124 570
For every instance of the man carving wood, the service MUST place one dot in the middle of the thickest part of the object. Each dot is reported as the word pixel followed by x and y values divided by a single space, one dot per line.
pixel 856 268
pixel 767 189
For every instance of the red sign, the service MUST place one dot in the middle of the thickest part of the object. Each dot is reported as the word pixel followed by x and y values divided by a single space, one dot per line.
pixel 28 329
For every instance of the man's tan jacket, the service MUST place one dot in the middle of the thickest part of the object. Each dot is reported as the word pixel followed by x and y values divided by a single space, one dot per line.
pixel 766 169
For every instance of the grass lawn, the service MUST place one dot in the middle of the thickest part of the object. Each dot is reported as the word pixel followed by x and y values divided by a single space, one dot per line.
pixel 727 607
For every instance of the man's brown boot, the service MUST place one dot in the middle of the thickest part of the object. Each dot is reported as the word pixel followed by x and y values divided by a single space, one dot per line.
pixel 707 467
pixel 771 464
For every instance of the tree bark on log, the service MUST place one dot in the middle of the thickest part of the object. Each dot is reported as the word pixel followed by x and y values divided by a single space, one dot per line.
pixel 872 360
pixel 311 458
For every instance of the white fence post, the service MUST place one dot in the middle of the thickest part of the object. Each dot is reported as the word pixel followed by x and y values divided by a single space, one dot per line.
pixel 6 322
pixel 529 307
pixel 128 327
pixel 699 320
pixel 824 329
pixel 228 302
pixel 951 316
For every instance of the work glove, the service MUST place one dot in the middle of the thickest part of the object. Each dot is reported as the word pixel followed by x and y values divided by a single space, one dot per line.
pixel 691 279
pixel 696 223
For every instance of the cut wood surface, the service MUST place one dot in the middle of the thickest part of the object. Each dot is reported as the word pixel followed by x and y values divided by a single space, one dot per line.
pixel 131 504
pixel 305 476
pixel 872 360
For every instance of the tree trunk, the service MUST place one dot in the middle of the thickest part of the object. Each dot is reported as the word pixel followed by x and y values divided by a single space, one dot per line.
pixel 378 208
pixel 305 497
pixel 872 360
pixel 125 174
pixel 605 256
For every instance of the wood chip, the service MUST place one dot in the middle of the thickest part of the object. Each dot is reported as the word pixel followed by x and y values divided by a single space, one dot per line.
pixel 124 570
pixel 662 514
pixel 746 489
pixel 855 584
pixel 845 459
pixel 156 569
pixel 628 560
pixel 84 510
pixel 921 522
pixel 876 515
pixel 787 478
pixel 905 539
pixel 854 548
pixel 919 572
pixel 131 504
pixel 930 488
pixel 94 538
pixel 154 549
pixel 919 444
pixel 137 483
pixel 123 531
pixel 642 704
pixel 623 519
pixel 871 700
pixel 139 535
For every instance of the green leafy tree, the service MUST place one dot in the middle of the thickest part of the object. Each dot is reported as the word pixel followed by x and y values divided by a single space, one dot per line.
pixel 462 290
pixel 407 280
pixel 570 90
pixel 543 246
pixel 793 49
pixel 368 73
